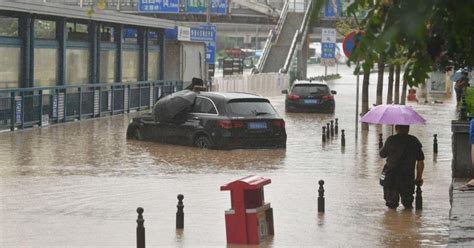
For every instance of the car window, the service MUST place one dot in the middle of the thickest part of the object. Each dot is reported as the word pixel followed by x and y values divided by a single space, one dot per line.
pixel 204 105
pixel 250 107
pixel 307 89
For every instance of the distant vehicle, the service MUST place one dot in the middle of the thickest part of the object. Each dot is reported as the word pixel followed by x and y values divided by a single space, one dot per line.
pixel 217 121
pixel 308 96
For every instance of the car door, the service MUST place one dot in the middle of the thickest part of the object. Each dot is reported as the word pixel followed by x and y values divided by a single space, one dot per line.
pixel 203 110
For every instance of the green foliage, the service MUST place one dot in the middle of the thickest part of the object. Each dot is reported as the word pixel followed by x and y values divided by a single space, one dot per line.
pixel 470 101
pixel 8 26
pixel 422 35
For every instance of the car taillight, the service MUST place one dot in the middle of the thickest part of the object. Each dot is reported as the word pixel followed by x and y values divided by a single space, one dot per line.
pixel 228 124
pixel 292 97
pixel 278 123
pixel 328 97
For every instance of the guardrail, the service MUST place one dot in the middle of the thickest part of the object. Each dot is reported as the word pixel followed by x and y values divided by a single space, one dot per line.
pixel 300 35
pixel 40 106
pixel 273 37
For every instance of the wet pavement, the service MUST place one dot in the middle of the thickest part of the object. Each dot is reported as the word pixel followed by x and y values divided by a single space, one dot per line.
pixel 79 184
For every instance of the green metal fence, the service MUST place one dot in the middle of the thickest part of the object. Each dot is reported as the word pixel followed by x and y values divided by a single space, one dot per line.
pixel 27 107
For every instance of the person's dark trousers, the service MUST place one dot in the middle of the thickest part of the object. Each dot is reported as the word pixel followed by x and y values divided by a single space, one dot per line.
pixel 458 94
pixel 392 196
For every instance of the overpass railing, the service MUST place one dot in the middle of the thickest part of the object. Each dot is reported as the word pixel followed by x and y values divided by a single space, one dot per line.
pixel 300 36
pixel 27 107
pixel 273 36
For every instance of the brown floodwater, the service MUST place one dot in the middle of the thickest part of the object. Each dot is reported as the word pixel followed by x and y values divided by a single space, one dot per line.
pixel 79 184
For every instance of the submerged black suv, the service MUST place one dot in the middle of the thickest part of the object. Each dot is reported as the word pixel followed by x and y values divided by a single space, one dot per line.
pixel 308 96
pixel 217 121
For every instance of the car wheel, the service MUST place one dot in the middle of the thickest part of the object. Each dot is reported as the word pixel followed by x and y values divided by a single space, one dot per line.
pixel 203 142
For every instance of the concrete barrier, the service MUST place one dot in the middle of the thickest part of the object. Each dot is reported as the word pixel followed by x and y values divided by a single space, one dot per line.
pixel 265 84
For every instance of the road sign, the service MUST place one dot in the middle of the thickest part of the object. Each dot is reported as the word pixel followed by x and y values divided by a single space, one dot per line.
pixel 158 6
pixel 328 50
pixel 328 35
pixel 350 40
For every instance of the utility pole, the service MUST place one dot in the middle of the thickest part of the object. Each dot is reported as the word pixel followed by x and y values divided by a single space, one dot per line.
pixel 208 16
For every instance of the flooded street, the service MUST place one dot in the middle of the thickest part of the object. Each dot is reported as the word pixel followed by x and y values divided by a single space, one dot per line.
pixel 79 184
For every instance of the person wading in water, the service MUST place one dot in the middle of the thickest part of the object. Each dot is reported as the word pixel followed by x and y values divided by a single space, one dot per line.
pixel 403 153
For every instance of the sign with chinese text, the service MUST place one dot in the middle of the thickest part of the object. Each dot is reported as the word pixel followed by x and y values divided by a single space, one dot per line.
pixel 158 6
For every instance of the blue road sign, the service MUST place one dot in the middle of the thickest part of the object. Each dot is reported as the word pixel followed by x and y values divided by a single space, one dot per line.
pixel 158 6
pixel 199 7
pixel 328 50
pixel 333 8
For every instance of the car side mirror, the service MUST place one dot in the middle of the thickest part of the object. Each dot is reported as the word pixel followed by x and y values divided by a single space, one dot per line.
pixel 333 92
pixel 284 91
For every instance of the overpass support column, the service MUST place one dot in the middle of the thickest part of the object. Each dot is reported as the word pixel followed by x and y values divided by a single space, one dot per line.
pixel 303 59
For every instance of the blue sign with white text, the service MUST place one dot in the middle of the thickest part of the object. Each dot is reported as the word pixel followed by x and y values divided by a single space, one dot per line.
pixel 199 7
pixel 333 8
pixel 328 50
pixel 201 34
pixel 158 6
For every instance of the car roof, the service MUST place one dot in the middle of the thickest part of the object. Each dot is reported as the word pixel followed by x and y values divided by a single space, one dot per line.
pixel 227 96
pixel 308 82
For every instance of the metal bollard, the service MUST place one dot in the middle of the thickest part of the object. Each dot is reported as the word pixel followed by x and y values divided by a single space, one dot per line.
pixel 327 131
pixel 321 197
pixel 180 213
pixel 380 141
pixel 435 143
pixel 418 198
pixel 332 128
pixel 324 134
pixel 343 138
pixel 140 229
pixel 336 128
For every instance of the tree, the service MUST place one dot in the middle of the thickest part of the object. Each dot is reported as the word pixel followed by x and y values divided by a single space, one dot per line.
pixel 431 33
pixel 391 70
pixel 397 84
pixel 381 68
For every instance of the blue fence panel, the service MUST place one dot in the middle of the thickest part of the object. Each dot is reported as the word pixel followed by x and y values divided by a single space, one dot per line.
pixel 118 98
pixel 27 107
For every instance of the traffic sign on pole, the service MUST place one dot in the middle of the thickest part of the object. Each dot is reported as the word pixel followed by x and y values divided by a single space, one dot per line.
pixel 350 42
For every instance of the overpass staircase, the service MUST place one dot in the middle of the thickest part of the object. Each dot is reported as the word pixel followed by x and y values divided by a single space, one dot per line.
pixel 282 42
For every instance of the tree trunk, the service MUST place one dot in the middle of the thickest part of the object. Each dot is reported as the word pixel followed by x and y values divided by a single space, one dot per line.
pixel 365 97
pixel 390 84
pixel 397 84
pixel 404 93
pixel 381 65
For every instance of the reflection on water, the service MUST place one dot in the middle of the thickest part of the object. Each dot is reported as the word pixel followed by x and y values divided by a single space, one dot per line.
pixel 78 184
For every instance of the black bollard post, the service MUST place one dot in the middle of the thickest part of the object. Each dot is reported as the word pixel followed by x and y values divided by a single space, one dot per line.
pixel 435 143
pixel 419 198
pixel 321 197
pixel 343 138
pixel 140 229
pixel 380 141
pixel 324 134
pixel 332 128
pixel 336 128
pixel 180 213
pixel 327 131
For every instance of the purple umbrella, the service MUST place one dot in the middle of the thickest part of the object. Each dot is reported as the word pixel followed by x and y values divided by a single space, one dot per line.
pixel 393 114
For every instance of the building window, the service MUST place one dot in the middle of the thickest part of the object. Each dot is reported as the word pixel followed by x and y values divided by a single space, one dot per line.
pixel 46 69
pixel 77 66
pixel 10 67
pixel 107 66
pixel 8 26
pixel 130 36
pixel 45 29
pixel 153 65
pixel 107 34
pixel 77 31
pixel 152 38
pixel 130 64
